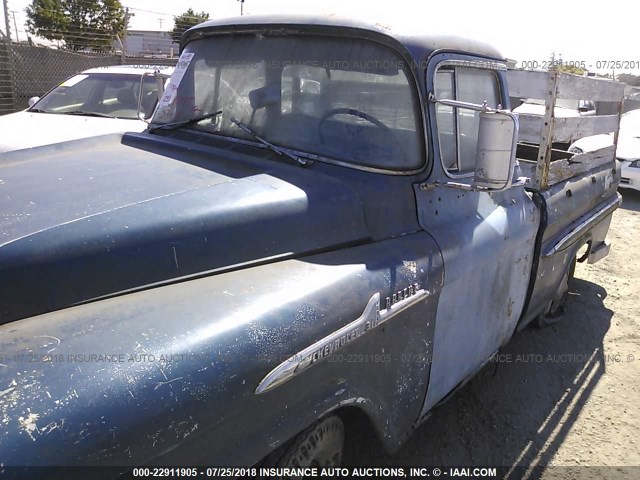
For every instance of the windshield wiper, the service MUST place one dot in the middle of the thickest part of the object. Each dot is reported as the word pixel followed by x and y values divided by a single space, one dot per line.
pixel 87 114
pixel 176 125
pixel 271 146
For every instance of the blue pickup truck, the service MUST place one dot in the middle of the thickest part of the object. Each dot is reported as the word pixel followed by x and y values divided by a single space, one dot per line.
pixel 326 222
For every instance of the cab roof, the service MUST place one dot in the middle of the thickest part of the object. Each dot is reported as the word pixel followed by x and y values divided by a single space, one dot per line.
pixel 419 45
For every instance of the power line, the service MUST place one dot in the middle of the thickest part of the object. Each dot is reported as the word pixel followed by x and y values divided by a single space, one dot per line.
pixel 89 37
pixel 164 14
pixel 150 11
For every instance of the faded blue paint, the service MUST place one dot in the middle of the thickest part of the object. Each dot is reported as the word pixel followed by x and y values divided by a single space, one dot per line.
pixel 244 289
pixel 487 242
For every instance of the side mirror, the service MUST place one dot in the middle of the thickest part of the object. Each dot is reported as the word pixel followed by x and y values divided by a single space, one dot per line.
pixel 33 101
pixel 496 150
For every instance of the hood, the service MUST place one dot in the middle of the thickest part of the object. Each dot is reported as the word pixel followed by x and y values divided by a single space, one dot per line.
pixel 28 129
pixel 89 218
pixel 628 147
pixel 593 143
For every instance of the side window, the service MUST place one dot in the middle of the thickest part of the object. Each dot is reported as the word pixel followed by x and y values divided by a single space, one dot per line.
pixel 445 118
pixel 458 127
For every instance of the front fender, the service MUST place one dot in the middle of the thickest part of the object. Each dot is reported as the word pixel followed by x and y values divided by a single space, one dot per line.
pixel 170 374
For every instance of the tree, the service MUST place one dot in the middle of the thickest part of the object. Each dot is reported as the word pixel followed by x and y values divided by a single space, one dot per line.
pixel 184 22
pixel 629 79
pixel 571 69
pixel 80 24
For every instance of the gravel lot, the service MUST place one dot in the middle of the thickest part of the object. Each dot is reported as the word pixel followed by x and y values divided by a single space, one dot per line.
pixel 566 395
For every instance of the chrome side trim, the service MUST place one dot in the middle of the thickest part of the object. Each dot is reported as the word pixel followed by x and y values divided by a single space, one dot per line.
pixel 583 226
pixel 371 318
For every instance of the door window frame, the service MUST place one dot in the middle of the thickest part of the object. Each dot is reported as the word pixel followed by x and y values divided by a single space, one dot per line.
pixel 498 67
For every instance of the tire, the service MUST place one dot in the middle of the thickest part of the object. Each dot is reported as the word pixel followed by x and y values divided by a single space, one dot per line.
pixel 555 312
pixel 320 445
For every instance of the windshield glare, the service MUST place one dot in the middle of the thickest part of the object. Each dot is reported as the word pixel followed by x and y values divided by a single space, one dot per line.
pixel 115 95
pixel 345 99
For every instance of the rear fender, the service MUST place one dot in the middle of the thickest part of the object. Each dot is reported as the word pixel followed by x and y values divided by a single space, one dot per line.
pixel 579 211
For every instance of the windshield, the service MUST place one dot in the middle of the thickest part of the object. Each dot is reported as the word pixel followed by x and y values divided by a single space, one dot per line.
pixel 104 94
pixel 345 99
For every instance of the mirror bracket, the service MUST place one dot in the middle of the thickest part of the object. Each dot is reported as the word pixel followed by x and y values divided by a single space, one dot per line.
pixel 483 109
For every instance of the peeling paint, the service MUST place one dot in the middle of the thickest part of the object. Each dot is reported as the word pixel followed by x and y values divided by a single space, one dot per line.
pixel 160 384
pixel 411 266
pixel 47 429
pixel 28 424
pixel 8 390
pixel 175 257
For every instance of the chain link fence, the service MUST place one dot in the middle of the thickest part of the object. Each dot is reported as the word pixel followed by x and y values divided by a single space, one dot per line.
pixel 27 71
pixel 7 83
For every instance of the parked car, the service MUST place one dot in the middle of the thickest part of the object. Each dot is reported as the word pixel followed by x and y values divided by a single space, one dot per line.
pixel 97 101
pixel 302 240
pixel 627 151
pixel 564 107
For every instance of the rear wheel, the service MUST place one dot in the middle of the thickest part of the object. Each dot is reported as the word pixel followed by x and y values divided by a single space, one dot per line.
pixel 320 445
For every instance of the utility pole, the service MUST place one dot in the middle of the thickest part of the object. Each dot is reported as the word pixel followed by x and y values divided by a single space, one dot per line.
pixel 15 25
pixel 126 20
pixel 124 34
pixel 7 24
pixel 241 7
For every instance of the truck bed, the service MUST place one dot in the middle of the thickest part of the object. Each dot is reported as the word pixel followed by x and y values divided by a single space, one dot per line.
pixel 543 139
pixel 576 192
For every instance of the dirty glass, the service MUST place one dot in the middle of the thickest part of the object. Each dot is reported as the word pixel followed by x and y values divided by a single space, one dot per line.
pixel 470 85
pixel 474 86
pixel 150 92
pixel 111 94
pixel 445 118
pixel 344 99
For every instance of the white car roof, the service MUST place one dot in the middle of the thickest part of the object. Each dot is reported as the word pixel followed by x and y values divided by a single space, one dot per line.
pixel 131 69
pixel 631 114
pixel 631 120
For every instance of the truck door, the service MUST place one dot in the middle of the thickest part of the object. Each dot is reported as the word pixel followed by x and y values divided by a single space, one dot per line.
pixel 487 239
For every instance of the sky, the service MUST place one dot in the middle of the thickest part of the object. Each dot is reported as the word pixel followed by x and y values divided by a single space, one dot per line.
pixel 596 33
